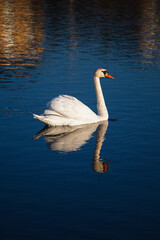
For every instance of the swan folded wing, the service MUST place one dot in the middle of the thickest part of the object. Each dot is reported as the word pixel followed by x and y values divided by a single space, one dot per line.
pixel 71 107
pixel 52 113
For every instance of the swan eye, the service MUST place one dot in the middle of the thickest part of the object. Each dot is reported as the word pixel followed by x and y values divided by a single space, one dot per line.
pixel 105 72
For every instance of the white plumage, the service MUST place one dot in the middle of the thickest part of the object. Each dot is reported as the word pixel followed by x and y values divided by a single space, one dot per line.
pixel 67 110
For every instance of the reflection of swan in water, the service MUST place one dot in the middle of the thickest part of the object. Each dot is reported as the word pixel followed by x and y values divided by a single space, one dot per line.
pixel 68 139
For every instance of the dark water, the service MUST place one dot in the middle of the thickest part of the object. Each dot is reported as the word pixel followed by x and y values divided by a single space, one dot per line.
pixel 99 182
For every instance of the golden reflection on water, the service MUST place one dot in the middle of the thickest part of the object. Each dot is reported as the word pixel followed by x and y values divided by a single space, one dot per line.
pixel 21 29
pixel 21 33
pixel 149 30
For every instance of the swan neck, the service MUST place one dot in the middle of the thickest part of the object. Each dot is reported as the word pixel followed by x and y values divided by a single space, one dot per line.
pixel 101 106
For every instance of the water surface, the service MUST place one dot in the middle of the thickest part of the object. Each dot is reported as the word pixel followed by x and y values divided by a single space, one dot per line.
pixel 95 182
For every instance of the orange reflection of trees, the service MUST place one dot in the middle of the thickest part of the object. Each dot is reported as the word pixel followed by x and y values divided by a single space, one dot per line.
pixel 149 30
pixel 21 32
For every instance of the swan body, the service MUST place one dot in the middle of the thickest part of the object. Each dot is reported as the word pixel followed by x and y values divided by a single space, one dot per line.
pixel 66 110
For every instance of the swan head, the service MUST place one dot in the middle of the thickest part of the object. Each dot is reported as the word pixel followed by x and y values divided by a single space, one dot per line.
pixel 101 72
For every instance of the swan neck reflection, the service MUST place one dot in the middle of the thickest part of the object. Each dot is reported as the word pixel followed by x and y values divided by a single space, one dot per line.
pixel 98 164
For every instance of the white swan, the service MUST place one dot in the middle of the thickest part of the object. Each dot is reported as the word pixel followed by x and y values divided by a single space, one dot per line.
pixel 66 110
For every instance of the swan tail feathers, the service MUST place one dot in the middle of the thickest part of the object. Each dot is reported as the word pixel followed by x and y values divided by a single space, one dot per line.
pixel 43 119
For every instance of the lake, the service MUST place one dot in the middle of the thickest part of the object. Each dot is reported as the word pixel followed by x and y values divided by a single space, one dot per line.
pixel 94 182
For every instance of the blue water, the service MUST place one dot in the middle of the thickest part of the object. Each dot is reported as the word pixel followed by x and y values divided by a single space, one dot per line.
pixel 100 182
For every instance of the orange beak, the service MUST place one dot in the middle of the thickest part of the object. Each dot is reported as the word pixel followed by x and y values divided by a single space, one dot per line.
pixel 109 76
